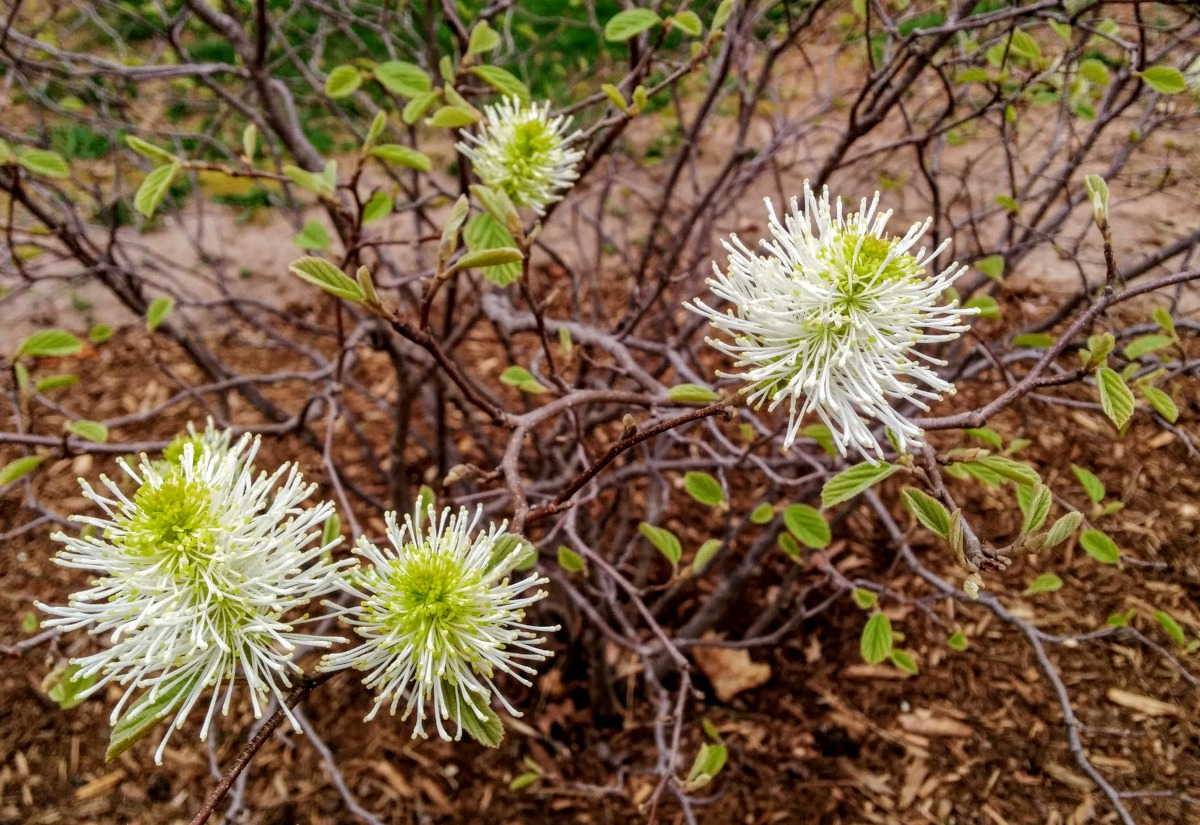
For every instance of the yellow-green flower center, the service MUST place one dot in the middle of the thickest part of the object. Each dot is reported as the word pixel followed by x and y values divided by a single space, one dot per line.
pixel 173 520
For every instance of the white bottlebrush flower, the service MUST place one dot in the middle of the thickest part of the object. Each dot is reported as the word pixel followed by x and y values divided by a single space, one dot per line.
pixel 523 152
pixel 439 617
pixel 829 320
pixel 197 570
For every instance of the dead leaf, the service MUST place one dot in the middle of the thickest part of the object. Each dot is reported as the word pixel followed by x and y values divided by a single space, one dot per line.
pixel 730 671
pixel 1142 704
pixel 924 723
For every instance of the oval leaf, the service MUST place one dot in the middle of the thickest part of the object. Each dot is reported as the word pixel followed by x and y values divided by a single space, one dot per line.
pixel 402 156
pixel 628 24
pixel 664 540
pixel 158 311
pixel 19 468
pixel 852 481
pixel 50 343
pixel 154 188
pixel 876 641
pixel 328 277
pixel 1100 547
pixel 704 488
pixel 343 81
pixel 808 525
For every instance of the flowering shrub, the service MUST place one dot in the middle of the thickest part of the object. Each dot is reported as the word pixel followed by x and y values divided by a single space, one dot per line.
pixel 490 315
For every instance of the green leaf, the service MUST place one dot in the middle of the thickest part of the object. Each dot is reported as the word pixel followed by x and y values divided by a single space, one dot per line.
pixel 62 686
pixel 1038 509
pixel 416 108
pixel 1119 619
pixel 307 180
pixel 155 187
pixel 1171 627
pixel 146 712
pixel 1062 529
pixel 149 150
pixel 707 764
pixel 865 599
pixel 402 155
pixel 569 560
pixel 903 660
pixel 100 333
pixel 1164 320
pixel 986 304
pixel 453 117
pixel 89 431
pixel 703 488
pixel 1091 484
pixel 523 380
pixel 483 233
pixel 974 74
pixel 377 208
pixel 1145 344
pixel 49 343
pixel 705 554
pixel 692 394
pixel 1162 403
pixel 688 22
pixel 21 373
pixel 1011 469
pixel 332 530
pixel 1094 70
pixel 505 82
pixel 250 142
pixel 987 435
pixel 992 266
pixel 614 96
pixel 1023 45
pixel 56 382
pixel 523 781
pixel 762 514
pixel 1034 339
pixel 721 15
pixel 957 641
pixel 876 641
pixel 808 525
pixel 663 539
pixel 405 79
pixel 1045 583
pixel 1063 30
pixel 1115 397
pixel 1099 546
pixel 928 510
pixel 1165 80
pixel 158 311
pixel 489 258
pixel 343 81
pixel 323 274
pixel 488 731
pixel 789 546
pixel 509 552
pixel 312 236
pixel 853 480
pixel 820 434
pixel 625 25
pixel 19 468
pixel 483 38
pixel 43 162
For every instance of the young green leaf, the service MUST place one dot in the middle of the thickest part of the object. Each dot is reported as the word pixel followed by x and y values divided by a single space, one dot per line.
pixel 987 435
pixel 56 382
pixel 704 555
pixel 483 38
pixel 43 162
pixel 158 311
pixel 63 687
pixel 721 15
pixel 405 79
pixel 332 529
pixel 688 22
pixel 1160 402
pixel 627 24
pixel 1168 623
pixel 416 108
pixel 377 208
pixel 707 764
pixel 692 394
pixel 523 781
pixel 789 546
pixel 323 274
pixel 488 731
pixel 1062 529
pixel 808 525
pixel 1166 80
pixel 762 514
pixel 903 660
pixel 992 266
pixel 876 641
pixel 1099 546
pixel 1037 510
pixel 865 599
pixel 1146 344
pixel 401 155
pixel 853 480
pixel 100 333
pixel 343 81
pixel 19 468
pixel 504 82
pixel 957 641
pixel 1115 397
pixel 89 431
pixel 523 380
pixel 155 187
pixel 703 488
pixel 1091 484
pixel 453 117
pixel 1163 318
pixel 1011 469
pixel 312 236
pixel 663 539
pixel 149 150
pixel 484 232
pixel 928 510
pixel 1039 340
pixel 569 560
pixel 1045 583
pixel 145 713
pixel 49 343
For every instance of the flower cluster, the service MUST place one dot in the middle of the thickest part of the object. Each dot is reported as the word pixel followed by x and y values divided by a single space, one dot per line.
pixel 524 153
pixel 830 318
pixel 439 617
pixel 198 569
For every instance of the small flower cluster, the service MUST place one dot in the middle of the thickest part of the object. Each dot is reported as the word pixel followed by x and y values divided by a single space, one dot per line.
pixel 524 152
pixel 829 320
pixel 202 564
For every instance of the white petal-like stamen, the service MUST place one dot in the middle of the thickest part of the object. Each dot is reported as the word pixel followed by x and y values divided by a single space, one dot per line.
pixel 524 153
pixel 197 571
pixel 829 320
pixel 439 617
